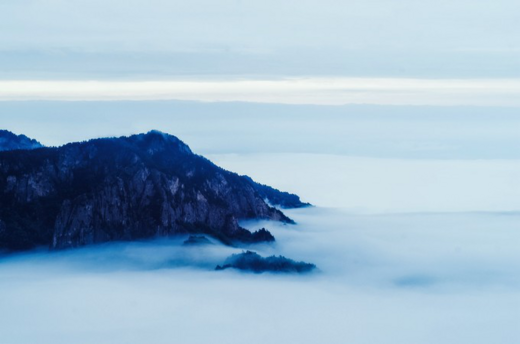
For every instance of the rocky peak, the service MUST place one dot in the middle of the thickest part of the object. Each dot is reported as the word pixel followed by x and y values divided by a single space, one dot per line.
pixel 11 141
pixel 155 141
pixel 127 188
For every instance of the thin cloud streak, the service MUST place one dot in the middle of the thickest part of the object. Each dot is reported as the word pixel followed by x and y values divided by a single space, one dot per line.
pixel 319 91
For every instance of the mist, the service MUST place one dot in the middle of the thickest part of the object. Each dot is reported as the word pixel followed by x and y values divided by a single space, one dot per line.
pixel 403 132
pixel 414 231
pixel 401 276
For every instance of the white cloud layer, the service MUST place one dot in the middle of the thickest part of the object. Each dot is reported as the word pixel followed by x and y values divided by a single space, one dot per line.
pixel 319 91
pixel 402 278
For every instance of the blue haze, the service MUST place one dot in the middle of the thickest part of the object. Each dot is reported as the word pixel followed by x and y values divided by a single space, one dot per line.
pixel 78 39
pixel 419 132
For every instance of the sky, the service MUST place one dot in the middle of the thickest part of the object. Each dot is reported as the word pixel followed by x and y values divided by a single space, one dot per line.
pixel 266 27
pixel 293 47
pixel 375 131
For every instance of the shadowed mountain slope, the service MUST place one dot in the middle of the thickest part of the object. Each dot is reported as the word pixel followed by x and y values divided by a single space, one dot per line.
pixel 127 188
pixel 10 141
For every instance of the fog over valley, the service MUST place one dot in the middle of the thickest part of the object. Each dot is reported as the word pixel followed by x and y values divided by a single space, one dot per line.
pixel 413 230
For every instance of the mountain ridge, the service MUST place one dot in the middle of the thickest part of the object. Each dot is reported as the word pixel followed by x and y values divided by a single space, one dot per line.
pixel 127 188
pixel 10 141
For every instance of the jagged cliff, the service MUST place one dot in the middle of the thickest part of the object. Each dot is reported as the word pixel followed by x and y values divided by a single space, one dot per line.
pixel 126 188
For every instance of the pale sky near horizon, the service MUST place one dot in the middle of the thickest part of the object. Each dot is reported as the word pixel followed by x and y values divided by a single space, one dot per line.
pixel 396 132
pixel 165 39
pixel 398 52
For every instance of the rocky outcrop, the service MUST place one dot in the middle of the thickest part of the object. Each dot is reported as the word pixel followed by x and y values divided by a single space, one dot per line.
pixel 253 262
pixel 196 240
pixel 141 186
pixel 275 197
pixel 10 141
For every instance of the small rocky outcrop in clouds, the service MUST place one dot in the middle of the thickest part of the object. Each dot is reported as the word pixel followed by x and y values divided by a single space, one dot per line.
pixel 11 141
pixel 196 240
pixel 253 262
pixel 127 188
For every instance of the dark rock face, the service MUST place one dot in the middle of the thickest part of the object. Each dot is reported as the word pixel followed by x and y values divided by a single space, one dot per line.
pixel 275 197
pixel 142 186
pixel 258 236
pixel 10 141
pixel 196 240
pixel 253 262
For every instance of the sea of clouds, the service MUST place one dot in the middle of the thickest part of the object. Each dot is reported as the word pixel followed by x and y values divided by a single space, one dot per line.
pixel 414 231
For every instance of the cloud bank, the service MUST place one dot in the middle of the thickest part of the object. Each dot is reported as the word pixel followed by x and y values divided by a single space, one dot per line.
pixel 409 273
pixel 395 132
pixel 317 91
pixel 402 277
